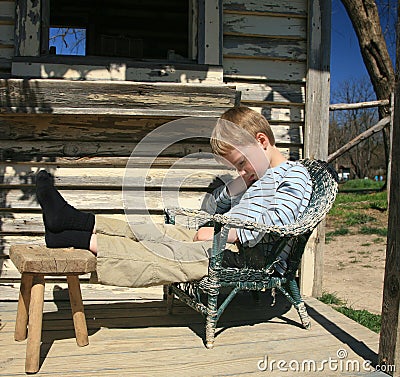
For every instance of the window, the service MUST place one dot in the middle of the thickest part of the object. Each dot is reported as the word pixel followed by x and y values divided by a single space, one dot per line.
pixel 67 41
pixel 139 29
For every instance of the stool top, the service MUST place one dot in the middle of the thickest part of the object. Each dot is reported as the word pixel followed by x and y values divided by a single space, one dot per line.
pixel 43 260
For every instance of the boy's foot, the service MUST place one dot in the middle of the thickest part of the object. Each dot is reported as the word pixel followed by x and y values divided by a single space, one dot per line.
pixel 68 238
pixel 58 215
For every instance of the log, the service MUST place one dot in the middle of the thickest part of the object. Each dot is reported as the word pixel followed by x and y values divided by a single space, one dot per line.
pixel 43 96
pixel 365 135
pixel 359 105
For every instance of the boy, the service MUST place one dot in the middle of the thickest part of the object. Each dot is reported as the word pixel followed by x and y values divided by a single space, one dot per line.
pixel 269 190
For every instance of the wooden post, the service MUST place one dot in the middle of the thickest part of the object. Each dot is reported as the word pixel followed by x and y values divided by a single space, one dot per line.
pixel 35 325
pixel 78 314
pixel 23 307
pixel 45 27
pixel 389 168
pixel 389 347
pixel 210 32
pixel 316 128
pixel 27 28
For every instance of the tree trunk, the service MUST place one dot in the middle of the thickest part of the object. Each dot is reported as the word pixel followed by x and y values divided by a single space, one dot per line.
pixel 365 19
pixel 366 23
pixel 389 341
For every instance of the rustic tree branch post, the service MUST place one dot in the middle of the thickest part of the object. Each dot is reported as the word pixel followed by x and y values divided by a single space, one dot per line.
pixel 316 131
pixel 389 347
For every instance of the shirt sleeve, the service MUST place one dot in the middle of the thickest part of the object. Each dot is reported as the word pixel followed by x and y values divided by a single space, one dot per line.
pixel 220 201
pixel 273 200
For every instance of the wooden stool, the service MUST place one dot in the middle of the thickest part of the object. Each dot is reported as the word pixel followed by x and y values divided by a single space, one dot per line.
pixel 34 262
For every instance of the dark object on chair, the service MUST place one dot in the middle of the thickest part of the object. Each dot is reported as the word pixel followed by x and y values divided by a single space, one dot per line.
pixel 274 274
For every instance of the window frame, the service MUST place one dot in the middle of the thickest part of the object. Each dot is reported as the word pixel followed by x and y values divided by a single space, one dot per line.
pixel 205 35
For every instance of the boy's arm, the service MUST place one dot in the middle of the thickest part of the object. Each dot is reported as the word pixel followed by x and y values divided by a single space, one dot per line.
pixel 268 205
pixel 224 197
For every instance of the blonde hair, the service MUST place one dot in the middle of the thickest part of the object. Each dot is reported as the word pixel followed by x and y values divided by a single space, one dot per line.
pixel 226 136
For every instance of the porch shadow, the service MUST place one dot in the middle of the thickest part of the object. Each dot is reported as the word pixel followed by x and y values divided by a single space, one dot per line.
pixel 243 311
pixel 359 347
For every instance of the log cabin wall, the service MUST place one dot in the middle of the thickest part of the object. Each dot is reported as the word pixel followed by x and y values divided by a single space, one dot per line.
pixel 84 131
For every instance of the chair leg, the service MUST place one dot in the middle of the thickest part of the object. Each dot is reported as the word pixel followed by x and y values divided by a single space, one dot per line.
pixel 165 292
pixel 299 304
pixel 23 307
pixel 304 318
pixel 78 314
pixel 35 325
pixel 170 299
pixel 211 320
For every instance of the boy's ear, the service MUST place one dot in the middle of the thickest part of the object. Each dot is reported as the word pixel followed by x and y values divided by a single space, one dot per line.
pixel 262 138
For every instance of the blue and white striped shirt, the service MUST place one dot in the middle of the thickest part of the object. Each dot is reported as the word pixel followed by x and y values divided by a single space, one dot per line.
pixel 277 198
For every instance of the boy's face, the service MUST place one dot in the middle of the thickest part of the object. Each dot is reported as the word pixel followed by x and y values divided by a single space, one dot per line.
pixel 250 162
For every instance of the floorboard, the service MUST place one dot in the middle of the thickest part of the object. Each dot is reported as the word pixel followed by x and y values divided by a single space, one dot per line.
pixel 131 334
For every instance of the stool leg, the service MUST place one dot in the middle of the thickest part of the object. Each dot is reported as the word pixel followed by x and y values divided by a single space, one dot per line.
pixel 78 314
pixel 35 325
pixel 23 307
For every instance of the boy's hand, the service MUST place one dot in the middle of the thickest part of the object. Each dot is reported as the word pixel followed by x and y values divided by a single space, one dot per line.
pixel 207 233
pixel 236 186
pixel 204 234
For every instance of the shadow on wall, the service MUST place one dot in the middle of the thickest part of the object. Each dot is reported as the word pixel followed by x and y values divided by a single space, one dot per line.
pixel 19 217
pixel 118 70
pixel 22 97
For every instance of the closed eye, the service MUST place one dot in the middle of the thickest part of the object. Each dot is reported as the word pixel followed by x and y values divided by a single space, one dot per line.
pixel 241 163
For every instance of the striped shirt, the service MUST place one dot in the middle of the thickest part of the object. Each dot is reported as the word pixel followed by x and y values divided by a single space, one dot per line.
pixel 277 198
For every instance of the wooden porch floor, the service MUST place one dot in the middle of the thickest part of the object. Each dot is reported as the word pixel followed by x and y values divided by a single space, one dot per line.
pixel 131 334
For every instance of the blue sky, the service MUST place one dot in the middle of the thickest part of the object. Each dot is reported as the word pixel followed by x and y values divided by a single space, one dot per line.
pixel 346 60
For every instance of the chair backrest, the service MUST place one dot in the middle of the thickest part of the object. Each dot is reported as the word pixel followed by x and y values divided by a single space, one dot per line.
pixel 324 189
pixel 325 186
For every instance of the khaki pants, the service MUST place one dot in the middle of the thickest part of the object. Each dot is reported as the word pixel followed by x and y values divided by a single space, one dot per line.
pixel 154 254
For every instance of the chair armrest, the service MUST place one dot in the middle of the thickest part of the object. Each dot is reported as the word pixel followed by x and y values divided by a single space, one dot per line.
pixel 200 216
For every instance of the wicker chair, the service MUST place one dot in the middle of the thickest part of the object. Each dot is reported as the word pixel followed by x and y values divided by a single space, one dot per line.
pixel 202 295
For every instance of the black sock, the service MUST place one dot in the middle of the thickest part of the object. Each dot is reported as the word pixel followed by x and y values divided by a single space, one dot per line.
pixel 58 215
pixel 68 238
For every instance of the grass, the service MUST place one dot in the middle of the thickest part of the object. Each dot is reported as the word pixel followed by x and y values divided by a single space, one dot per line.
pixel 370 200
pixel 356 218
pixel 363 317
pixel 373 230
pixel 331 299
pixel 358 213
pixel 338 232
pixel 361 184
